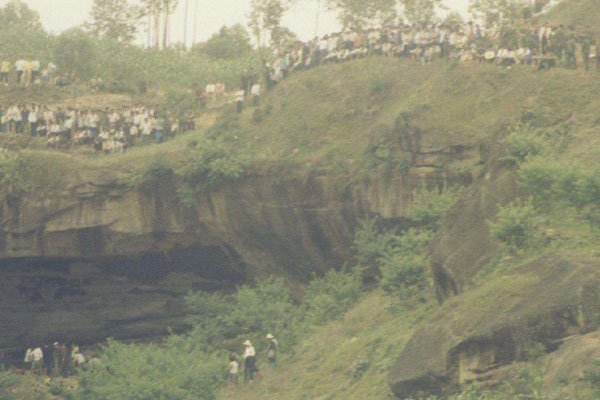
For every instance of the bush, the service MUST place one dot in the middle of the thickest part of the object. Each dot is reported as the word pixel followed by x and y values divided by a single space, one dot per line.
pixel 214 163
pixel 553 182
pixel 156 173
pixel 250 312
pixel 592 376
pixel 7 380
pixel 13 175
pixel 539 176
pixel 429 206
pixel 522 144
pixel 371 245
pixel 328 297
pixel 151 371
pixel 406 268
pixel 515 224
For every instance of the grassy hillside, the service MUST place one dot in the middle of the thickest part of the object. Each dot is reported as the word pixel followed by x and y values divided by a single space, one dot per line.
pixel 580 13
pixel 346 359
pixel 328 118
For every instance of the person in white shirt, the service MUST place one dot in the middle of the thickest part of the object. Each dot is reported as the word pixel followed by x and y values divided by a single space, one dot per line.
pixel 234 368
pixel 239 100
pixel 255 93
pixel 32 118
pixel 35 70
pixel 249 361
pixel 37 360
pixel 78 359
pixel 20 68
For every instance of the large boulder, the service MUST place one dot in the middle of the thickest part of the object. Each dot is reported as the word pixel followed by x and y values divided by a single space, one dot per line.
pixel 474 333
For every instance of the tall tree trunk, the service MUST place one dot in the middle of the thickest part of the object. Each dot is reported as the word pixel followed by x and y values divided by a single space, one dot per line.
pixel 157 28
pixel 166 29
pixel 317 18
pixel 195 23
pixel 185 23
pixel 149 27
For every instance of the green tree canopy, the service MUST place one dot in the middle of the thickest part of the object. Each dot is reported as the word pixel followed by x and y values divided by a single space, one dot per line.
pixel 229 42
pixel 22 34
pixel 114 19
pixel 75 53
pixel 420 11
pixel 496 12
pixel 359 14
pixel 265 19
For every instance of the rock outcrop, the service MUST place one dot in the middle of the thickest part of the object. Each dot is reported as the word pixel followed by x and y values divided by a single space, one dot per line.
pixel 476 333
pixel 91 258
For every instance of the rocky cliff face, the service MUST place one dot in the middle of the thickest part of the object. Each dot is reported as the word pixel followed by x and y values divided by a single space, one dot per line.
pixel 94 259
pixel 481 333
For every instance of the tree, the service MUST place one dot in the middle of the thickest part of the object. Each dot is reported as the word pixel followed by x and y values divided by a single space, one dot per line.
pixel 359 14
pixel 420 11
pixel 265 19
pixel 168 6
pixel 496 12
pixel 155 10
pixel 454 20
pixel 22 34
pixel 229 42
pixel 75 53
pixel 114 19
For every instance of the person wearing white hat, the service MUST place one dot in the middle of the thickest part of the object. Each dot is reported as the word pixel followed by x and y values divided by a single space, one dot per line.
pixel 272 348
pixel 249 361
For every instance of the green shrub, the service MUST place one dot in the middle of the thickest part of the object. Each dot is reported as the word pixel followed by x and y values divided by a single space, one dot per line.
pixel 215 162
pixel 13 175
pixel 371 245
pixel 534 351
pixel 7 380
pixel 429 206
pixel 523 143
pixel 327 297
pixel 251 311
pixel 403 272
pixel 515 224
pixel 156 173
pixel 152 371
pixel 592 376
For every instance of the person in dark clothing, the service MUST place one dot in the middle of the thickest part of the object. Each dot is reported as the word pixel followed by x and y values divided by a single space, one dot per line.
pixel 48 359
pixel 250 368
pixel 586 47
pixel 273 344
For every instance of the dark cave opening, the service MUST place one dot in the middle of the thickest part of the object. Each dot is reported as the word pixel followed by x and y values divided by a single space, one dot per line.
pixel 90 299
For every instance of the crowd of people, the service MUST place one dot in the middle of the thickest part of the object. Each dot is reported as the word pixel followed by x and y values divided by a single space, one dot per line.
pixel 56 360
pixel 29 72
pixel 107 130
pixel 540 46
pixel 251 370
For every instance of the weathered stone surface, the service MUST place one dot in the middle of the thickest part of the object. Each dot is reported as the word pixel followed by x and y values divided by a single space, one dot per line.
pixel 491 326
pixel 289 224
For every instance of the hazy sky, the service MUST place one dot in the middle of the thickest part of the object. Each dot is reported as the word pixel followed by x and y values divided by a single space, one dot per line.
pixel 58 15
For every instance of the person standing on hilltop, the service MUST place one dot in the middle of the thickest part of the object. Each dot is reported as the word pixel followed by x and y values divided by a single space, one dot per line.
pixel 597 51
pixel 239 100
pixel 4 71
pixel 37 360
pixel 20 68
pixel 586 47
pixel 33 119
pixel 272 348
pixel 255 93
pixel 35 70
pixel 249 361
pixel 234 368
